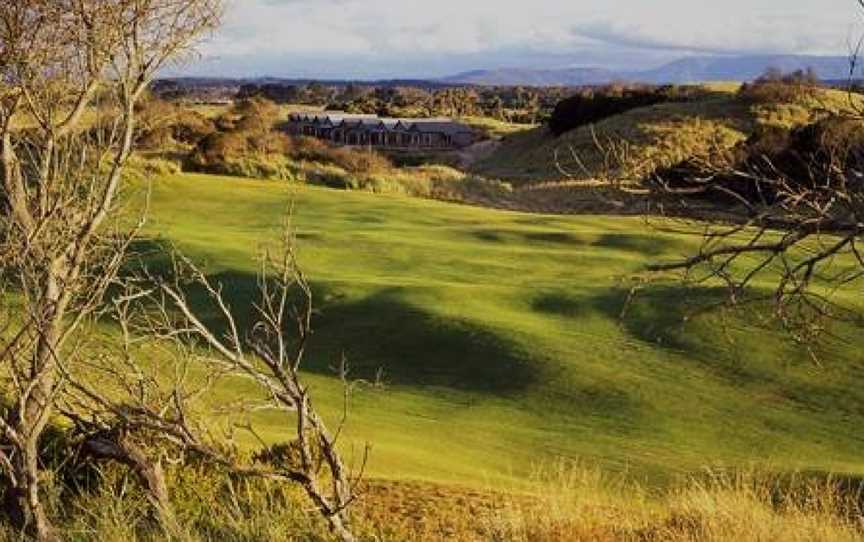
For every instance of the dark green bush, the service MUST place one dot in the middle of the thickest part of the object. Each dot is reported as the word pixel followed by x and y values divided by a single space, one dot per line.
pixel 816 157
pixel 592 105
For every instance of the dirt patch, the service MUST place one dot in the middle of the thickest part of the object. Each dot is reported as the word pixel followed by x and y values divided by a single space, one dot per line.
pixel 408 510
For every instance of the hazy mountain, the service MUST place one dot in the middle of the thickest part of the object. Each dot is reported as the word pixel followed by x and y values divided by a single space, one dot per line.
pixel 743 68
pixel 686 70
pixel 539 78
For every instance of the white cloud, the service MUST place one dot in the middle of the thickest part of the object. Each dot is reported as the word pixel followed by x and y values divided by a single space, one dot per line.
pixel 373 35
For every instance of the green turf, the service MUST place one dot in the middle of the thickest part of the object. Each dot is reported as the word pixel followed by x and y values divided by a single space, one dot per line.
pixel 499 337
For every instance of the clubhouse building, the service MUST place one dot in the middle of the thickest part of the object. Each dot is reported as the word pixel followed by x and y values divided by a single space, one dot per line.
pixel 374 131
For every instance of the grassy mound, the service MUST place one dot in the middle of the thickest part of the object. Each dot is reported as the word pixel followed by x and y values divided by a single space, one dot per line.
pixel 500 344
pixel 659 135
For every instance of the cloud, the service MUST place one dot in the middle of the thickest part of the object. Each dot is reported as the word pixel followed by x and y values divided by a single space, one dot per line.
pixel 717 34
pixel 608 34
pixel 415 38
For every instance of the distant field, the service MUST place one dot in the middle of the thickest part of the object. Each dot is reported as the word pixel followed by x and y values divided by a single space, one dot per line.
pixel 499 337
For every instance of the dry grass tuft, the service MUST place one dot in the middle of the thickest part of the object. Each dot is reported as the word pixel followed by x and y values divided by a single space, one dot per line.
pixel 567 503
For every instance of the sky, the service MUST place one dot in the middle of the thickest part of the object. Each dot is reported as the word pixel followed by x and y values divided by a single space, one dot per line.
pixel 370 39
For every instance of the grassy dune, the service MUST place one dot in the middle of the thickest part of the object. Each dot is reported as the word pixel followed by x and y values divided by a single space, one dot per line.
pixel 499 338
pixel 662 134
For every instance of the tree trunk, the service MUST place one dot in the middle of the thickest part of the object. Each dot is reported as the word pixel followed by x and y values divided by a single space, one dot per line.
pixel 23 500
pixel 118 447
pixel 24 503
pixel 153 478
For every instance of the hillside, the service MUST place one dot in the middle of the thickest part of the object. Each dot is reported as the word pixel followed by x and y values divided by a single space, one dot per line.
pixel 499 340
pixel 662 134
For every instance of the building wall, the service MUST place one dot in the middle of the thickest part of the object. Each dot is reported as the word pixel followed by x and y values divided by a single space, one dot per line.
pixel 376 137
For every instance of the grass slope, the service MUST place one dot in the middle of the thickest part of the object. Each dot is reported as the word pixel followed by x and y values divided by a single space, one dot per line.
pixel 500 339
pixel 662 134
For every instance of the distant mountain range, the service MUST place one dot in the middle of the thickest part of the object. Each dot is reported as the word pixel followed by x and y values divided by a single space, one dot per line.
pixel 687 70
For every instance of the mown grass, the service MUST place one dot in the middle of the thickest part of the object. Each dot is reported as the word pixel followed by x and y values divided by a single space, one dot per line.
pixel 501 345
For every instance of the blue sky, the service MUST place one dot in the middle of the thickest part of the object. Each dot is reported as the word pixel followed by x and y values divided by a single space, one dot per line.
pixel 427 38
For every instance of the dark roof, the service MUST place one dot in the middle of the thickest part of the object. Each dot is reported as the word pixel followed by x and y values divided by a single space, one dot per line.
pixel 351 121
pixel 448 127
pixel 334 117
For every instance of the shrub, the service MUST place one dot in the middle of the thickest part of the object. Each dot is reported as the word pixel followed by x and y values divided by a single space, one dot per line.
pixel 813 156
pixel 260 166
pixel 162 124
pixel 775 93
pixel 190 127
pixel 353 161
pixel 775 87
pixel 215 150
pixel 327 175
pixel 593 105
pixel 255 115
pixel 139 166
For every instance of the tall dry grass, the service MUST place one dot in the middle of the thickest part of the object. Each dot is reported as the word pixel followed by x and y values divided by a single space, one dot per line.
pixel 578 503
pixel 568 502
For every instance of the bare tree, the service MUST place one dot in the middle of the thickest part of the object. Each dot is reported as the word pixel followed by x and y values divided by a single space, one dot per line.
pixel 271 355
pixel 794 220
pixel 168 406
pixel 71 72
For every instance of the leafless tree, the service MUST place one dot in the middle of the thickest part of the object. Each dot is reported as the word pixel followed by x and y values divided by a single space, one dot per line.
pixel 791 223
pixel 797 230
pixel 162 404
pixel 71 72
pixel 797 224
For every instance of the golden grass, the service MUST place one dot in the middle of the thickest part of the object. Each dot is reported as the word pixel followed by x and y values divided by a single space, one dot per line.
pixel 569 503
pixel 663 132
pixel 494 128
pixel 659 135
pixel 729 87
pixel 575 503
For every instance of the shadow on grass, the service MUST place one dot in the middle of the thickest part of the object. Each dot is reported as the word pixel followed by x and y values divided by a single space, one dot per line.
pixel 514 236
pixel 662 318
pixel 381 335
pixel 641 244
pixel 413 347
pixel 659 316
pixel 648 245
pixel 561 304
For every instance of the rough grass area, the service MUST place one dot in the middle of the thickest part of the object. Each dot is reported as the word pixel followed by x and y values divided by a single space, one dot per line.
pixel 567 503
pixel 494 128
pixel 659 135
pixel 500 345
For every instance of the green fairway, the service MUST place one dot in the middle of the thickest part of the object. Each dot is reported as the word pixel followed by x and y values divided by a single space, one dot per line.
pixel 499 339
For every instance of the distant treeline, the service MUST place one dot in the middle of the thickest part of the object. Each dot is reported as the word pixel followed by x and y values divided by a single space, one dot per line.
pixel 561 108
pixel 511 104
pixel 389 98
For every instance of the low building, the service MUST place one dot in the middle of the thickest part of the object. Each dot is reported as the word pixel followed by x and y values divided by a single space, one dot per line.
pixel 371 130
